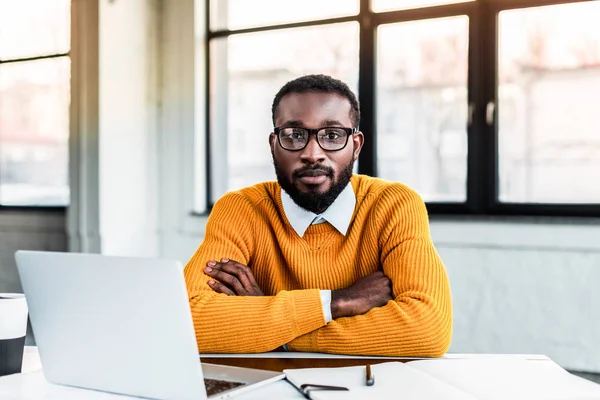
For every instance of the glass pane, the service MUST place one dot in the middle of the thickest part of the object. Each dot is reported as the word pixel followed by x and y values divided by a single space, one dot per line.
pixel 389 5
pixel 34 132
pixel 31 28
pixel 240 14
pixel 549 130
pixel 422 106
pixel 247 71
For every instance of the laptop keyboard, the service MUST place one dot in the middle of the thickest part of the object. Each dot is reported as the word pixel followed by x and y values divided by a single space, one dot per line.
pixel 215 386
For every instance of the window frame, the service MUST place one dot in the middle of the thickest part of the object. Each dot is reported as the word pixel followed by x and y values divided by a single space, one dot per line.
pixel 37 207
pixel 482 183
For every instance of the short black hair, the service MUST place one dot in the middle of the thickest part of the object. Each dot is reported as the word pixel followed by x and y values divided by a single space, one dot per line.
pixel 319 84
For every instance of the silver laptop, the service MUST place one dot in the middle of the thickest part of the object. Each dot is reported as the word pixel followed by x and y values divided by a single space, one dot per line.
pixel 122 325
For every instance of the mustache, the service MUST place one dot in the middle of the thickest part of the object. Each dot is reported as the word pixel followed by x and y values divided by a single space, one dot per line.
pixel 313 170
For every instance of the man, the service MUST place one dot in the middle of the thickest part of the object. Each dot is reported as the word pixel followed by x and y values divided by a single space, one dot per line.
pixel 321 260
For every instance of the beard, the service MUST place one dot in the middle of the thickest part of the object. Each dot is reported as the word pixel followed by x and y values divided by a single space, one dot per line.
pixel 314 200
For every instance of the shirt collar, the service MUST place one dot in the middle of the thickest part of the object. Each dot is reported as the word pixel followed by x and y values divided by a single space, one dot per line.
pixel 339 214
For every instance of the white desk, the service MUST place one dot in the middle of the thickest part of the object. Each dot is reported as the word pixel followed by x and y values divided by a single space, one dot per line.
pixel 31 384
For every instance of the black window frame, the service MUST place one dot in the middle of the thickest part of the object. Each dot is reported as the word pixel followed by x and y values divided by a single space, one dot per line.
pixel 36 207
pixel 482 186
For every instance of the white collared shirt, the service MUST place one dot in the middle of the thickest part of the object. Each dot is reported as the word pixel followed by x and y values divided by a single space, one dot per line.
pixel 339 214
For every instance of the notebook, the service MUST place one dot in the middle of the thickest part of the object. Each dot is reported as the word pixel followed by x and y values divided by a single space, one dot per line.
pixel 452 379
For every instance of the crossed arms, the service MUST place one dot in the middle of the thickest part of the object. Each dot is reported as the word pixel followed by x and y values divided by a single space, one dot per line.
pixel 403 309
pixel 236 279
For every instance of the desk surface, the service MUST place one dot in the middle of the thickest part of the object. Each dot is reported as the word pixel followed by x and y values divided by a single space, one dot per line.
pixel 281 361
pixel 31 384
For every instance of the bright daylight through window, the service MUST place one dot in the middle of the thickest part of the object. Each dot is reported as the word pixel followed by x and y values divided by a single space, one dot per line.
pixel 34 102
pixel 549 107
pixel 482 106
pixel 422 70
pixel 245 89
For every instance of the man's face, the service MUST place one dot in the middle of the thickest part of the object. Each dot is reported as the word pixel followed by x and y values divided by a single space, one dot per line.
pixel 314 177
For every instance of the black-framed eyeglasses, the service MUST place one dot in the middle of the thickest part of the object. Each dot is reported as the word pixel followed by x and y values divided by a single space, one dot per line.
pixel 329 138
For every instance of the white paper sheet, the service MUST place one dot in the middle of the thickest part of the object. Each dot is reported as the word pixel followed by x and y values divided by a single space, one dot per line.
pixel 495 379
pixel 393 380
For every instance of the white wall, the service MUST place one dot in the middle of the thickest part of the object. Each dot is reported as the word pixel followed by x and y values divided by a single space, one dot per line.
pixel 182 115
pixel 525 287
pixel 128 113
pixel 114 118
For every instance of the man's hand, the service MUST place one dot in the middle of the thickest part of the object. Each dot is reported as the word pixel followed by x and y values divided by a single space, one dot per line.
pixel 234 279
pixel 372 291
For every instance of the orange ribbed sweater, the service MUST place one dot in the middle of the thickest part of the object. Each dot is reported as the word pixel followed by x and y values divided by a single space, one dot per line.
pixel 389 231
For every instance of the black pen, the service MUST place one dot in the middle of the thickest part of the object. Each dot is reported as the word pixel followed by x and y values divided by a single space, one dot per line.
pixel 370 377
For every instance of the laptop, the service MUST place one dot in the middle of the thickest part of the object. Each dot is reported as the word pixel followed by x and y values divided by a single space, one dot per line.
pixel 122 325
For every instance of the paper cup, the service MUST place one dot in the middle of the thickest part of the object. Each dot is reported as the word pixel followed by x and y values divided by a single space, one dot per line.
pixel 13 328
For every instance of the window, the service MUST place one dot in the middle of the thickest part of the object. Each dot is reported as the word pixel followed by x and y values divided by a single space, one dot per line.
pixel 422 88
pixel 240 14
pixel 484 107
pixel 246 87
pixel 389 5
pixel 549 108
pixel 34 102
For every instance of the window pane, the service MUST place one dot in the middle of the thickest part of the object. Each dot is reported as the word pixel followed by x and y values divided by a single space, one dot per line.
pixel 246 73
pixel 422 106
pixel 31 28
pixel 389 5
pixel 34 131
pixel 549 129
pixel 239 14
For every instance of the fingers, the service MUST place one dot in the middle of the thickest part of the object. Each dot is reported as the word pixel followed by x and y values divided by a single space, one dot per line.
pixel 220 288
pixel 247 273
pixel 386 284
pixel 238 277
pixel 241 271
pixel 224 275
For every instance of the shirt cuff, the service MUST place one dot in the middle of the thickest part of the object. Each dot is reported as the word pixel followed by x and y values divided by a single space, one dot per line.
pixel 326 301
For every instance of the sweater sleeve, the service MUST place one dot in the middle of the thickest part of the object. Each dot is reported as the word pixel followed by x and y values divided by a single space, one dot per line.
pixel 242 324
pixel 418 322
